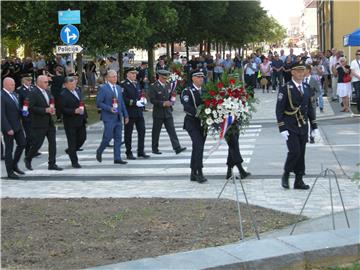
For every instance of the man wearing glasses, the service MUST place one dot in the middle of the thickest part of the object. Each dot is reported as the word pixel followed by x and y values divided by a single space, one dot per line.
pixel 41 107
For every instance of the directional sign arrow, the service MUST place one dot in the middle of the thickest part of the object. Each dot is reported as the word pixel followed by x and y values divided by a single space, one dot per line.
pixel 69 34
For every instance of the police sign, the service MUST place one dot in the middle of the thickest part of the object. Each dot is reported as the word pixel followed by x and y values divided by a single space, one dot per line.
pixel 68 49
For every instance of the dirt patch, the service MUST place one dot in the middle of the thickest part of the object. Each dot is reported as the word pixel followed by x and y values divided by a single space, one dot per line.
pixel 80 233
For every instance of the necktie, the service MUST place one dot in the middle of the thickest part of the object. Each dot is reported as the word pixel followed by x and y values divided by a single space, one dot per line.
pixel 114 90
pixel 300 89
pixel 45 96
pixel 15 99
pixel 75 94
pixel 306 80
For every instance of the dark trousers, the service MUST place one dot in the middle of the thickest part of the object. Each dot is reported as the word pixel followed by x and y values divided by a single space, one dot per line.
pixel 295 161
pixel 58 107
pixel 10 160
pixel 140 128
pixel 277 79
pixel 250 80
pixel 357 93
pixel 169 126
pixel 198 141
pixel 27 129
pixel 38 135
pixel 234 156
pixel 76 137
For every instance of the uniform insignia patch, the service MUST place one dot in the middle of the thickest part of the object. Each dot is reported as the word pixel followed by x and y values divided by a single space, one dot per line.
pixel 280 96
pixel 159 92
pixel 186 98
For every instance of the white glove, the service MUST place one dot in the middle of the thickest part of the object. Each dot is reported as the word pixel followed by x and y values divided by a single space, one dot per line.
pixel 285 134
pixel 315 133
pixel 140 104
pixel 145 101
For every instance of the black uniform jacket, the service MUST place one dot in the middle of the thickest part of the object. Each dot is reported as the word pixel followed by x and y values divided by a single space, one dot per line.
pixel 191 100
pixel 158 94
pixel 131 94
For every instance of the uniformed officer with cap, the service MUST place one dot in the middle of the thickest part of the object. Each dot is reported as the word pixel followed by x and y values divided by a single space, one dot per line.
pixel 160 94
pixel 191 99
pixel 23 91
pixel 134 106
pixel 293 111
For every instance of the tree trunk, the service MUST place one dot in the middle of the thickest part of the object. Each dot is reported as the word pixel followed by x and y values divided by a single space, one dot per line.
pixel 217 47
pixel 79 67
pixel 121 67
pixel 208 46
pixel 224 48
pixel 27 51
pixel 151 63
pixel 201 47
pixel 172 50
pixel 230 50
pixel 187 51
pixel 168 52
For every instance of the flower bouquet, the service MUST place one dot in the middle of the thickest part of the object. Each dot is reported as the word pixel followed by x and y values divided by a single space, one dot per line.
pixel 177 78
pixel 226 106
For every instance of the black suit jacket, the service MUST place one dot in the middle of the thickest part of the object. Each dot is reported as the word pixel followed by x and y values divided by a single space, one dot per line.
pixel 69 103
pixel 158 94
pixel 131 94
pixel 10 114
pixel 23 94
pixel 37 105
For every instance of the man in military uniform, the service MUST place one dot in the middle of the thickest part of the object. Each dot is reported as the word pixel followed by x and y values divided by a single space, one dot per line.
pixel 293 111
pixel 23 91
pixel 160 95
pixel 134 106
pixel 191 99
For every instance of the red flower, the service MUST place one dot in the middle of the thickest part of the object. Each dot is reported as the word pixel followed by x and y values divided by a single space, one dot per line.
pixel 220 101
pixel 236 93
pixel 207 103
pixel 222 93
pixel 212 93
pixel 213 102
pixel 229 92
pixel 232 81
pixel 219 85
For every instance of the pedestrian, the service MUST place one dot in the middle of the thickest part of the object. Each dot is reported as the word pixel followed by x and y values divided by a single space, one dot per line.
pixel 250 72
pixel 109 99
pixel 342 72
pixel 160 96
pixel 91 76
pixel 42 108
pixel 265 70
pixel 218 67
pixel 355 73
pixel 11 128
pixel 277 75
pixel 134 102
pixel 293 112
pixel 23 92
pixel 57 82
pixel 287 70
pixel 74 116
pixel 191 100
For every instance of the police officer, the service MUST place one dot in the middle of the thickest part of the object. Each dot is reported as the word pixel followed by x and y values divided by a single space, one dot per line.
pixel 191 99
pixel 293 111
pixel 160 96
pixel 134 103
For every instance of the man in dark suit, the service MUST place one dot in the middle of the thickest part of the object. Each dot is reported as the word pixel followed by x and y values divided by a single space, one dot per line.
pixel 160 94
pixel 41 107
pixel 293 111
pixel 11 128
pixel 57 82
pixel 135 103
pixel 109 99
pixel 23 93
pixel 74 118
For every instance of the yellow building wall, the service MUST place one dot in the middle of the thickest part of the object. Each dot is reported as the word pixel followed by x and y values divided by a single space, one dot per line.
pixel 346 20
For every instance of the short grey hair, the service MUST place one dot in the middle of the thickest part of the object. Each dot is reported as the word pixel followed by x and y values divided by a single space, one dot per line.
pixel 111 72
pixel 69 79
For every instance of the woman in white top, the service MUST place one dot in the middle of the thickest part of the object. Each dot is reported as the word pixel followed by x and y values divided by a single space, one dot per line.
pixel 265 70
pixel 344 82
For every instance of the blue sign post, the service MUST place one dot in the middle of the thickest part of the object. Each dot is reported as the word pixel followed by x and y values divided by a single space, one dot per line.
pixel 69 16
pixel 69 34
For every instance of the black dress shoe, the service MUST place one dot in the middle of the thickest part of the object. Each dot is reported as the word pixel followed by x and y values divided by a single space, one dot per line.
pixel 157 152
pixel 229 172
pixel 244 175
pixel 98 157
pixel 76 165
pixel 67 151
pixel 130 156
pixel 301 186
pixel 312 140
pixel 54 168
pixel 37 154
pixel 13 176
pixel 181 149
pixel 193 175
pixel 285 180
pixel 80 149
pixel 17 170
pixel 200 176
pixel 143 155
pixel 28 164
pixel 120 162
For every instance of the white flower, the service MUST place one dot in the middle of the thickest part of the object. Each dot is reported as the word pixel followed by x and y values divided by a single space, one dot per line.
pixel 209 121
pixel 214 114
pixel 207 110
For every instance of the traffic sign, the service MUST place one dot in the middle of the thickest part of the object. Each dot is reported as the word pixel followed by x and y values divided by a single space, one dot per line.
pixel 68 49
pixel 69 16
pixel 69 34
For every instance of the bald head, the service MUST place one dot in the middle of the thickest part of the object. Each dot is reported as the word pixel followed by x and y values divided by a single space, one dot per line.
pixel 42 81
pixel 9 84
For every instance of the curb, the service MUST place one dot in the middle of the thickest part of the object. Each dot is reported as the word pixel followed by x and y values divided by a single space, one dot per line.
pixel 304 251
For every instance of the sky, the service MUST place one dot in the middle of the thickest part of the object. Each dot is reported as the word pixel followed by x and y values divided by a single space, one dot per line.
pixel 282 10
